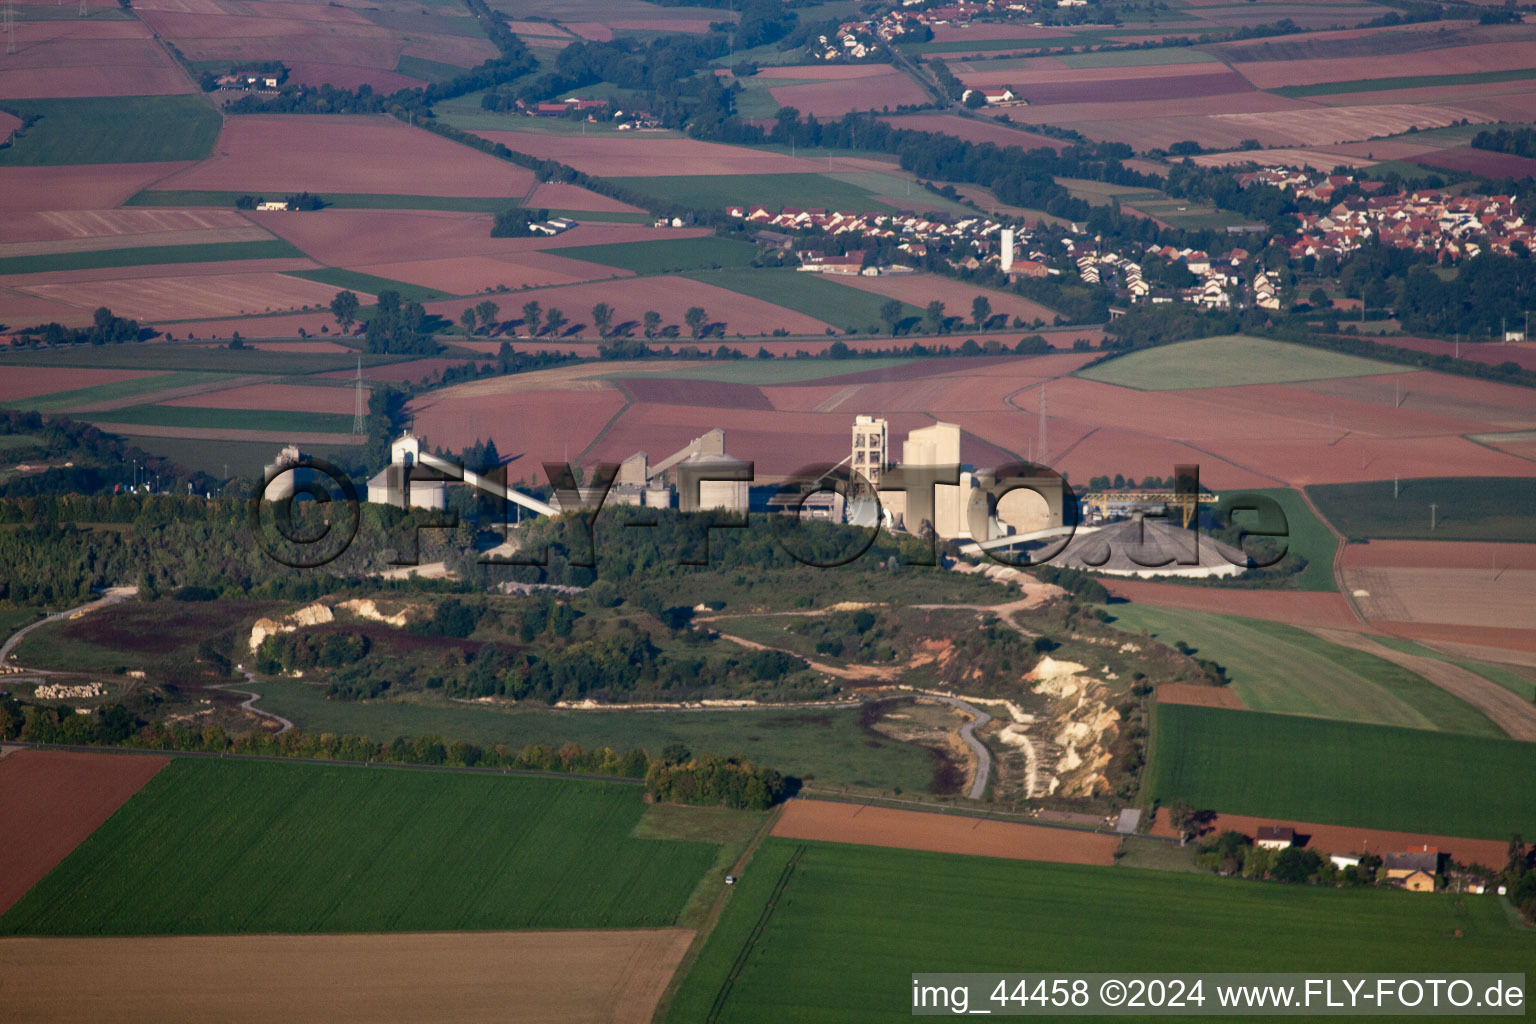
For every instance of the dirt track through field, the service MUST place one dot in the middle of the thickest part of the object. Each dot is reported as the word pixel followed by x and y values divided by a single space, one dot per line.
pixel 942 833
pixel 574 977
pixel 50 801
pixel 1506 710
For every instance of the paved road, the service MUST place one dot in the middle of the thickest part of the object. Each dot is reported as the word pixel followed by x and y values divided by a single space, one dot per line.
pixel 979 718
pixel 111 596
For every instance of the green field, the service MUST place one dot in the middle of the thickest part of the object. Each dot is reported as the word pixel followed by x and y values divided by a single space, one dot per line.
pixel 812 743
pixel 1307 535
pixel 356 280
pixel 1405 82
pixel 1519 680
pixel 147 255
pixel 1280 668
pixel 115 390
pixel 1466 508
pixel 779 371
pixel 1344 773
pixel 820 932
pixel 112 130
pixel 717 191
pixel 667 255
pixel 227 458
pixel 280 421
pixel 1232 360
pixel 237 846
pixel 430 70
pixel 848 308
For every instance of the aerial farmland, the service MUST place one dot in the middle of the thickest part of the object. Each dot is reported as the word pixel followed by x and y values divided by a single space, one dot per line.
pixel 604 511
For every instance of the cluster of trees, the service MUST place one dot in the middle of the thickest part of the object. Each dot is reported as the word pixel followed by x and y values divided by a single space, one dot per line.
pixel 674 777
pixel 106 328
pixel 714 781
pixel 514 62
pixel 398 325
pixel 101 461
pixel 513 223
pixel 1520 141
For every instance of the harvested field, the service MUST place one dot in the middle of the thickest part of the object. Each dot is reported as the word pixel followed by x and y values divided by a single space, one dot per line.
pixel 825 72
pixel 89 187
pixel 155 299
pixel 120 224
pixel 920 289
pixel 1318 160
pixel 1320 126
pixel 51 801
pixel 1481 596
pixel 1110 81
pixel 287 153
pixel 1327 839
pixel 670 296
pixel 973 129
pixel 1482 352
pixel 530 430
pixel 1434 554
pixel 281 397
pixel 1479 161
pixel 18 382
pixel 576 977
pixel 1148 88
pixel 864 825
pixel 835 98
pixel 636 156
pixel 1517 640
pixel 1445 61
pixel 552 195
pixel 1203 696
pixel 64 60
pixel 467 275
pixel 674 391
pixel 364 237
pixel 1299 608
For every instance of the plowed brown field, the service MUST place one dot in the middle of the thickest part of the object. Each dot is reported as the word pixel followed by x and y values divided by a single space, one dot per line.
pixel 1202 696
pixel 17 382
pixel 87 187
pixel 467 275
pixel 574 977
pixel 942 833
pixel 287 153
pixel 1343 839
pixel 834 98
pixel 180 298
pixel 50 801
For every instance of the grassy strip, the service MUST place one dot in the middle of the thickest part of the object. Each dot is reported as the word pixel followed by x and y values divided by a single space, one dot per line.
pixel 841 306
pixel 1231 360
pixel 1306 534
pixel 1281 669
pixel 261 847
pixel 115 390
pixel 356 280
pixel 150 255
pixel 666 256
pixel 1345 773
pixel 112 130
pixel 1405 82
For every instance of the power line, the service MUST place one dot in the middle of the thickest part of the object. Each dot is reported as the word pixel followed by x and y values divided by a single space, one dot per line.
pixel 359 421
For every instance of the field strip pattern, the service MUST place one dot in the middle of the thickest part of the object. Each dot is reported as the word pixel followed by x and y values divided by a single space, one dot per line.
pixel 214 434
pixel 868 825
pixel 575 977
pixel 156 397
pixel 1516 717
pixel 204 236
pixel 50 801
pixel 724 995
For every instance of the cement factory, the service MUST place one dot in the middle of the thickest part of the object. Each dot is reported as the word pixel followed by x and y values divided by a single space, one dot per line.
pixel 1016 513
